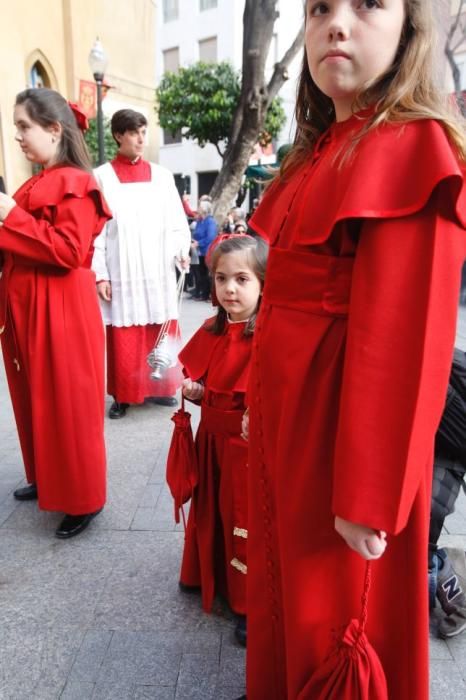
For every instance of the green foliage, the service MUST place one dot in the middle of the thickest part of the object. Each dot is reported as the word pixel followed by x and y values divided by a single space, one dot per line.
pixel 274 121
pixel 200 101
pixel 91 140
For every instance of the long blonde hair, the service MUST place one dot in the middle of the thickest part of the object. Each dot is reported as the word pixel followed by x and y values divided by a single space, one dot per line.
pixel 406 92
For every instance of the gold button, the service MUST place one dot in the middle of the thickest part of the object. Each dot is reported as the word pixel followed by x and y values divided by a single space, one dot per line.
pixel 2 329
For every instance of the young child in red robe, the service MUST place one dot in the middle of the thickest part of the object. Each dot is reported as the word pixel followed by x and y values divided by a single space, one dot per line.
pixel 354 342
pixel 216 361
pixel 50 325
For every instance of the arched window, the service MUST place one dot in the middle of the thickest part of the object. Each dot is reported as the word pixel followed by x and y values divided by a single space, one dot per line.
pixel 38 77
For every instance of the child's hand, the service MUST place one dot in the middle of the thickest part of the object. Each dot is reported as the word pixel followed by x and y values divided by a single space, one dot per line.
pixel 245 425
pixel 6 205
pixel 192 390
pixel 368 543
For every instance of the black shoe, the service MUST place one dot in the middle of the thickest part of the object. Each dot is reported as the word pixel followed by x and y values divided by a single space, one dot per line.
pixel 241 633
pixel 72 525
pixel 184 588
pixel 117 410
pixel 26 493
pixel 164 400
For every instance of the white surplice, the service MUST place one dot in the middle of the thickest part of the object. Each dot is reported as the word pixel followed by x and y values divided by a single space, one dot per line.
pixel 136 250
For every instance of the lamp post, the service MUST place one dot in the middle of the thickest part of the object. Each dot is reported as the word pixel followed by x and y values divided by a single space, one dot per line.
pixel 98 63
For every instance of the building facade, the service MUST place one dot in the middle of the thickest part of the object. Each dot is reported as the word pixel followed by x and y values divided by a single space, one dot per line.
pixel 47 43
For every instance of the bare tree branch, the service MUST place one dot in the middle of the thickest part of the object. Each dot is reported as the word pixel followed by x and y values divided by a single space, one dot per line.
pixel 280 74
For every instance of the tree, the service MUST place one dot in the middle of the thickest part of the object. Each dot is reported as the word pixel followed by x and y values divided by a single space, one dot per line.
pixel 255 97
pixel 200 102
pixel 455 38
pixel 90 138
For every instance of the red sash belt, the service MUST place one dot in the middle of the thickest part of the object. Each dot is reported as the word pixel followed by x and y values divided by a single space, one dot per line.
pixel 318 284
pixel 221 422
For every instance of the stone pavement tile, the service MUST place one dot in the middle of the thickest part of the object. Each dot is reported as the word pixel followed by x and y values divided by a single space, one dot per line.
pixel 6 509
pixel 77 690
pixel 113 691
pixel 198 677
pixel 90 656
pixel 149 519
pixel 53 584
pixel 160 517
pixel 141 658
pixel 27 516
pixel 36 659
pixel 446 681
pixel 150 496
pixel 9 482
pixel 457 647
pixel 232 665
pixel 439 649
pixel 154 692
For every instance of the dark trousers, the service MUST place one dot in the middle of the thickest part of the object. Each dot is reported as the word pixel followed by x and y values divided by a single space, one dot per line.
pixel 204 279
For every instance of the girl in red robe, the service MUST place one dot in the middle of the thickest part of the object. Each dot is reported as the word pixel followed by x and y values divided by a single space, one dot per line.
pixel 52 333
pixel 216 361
pixel 353 347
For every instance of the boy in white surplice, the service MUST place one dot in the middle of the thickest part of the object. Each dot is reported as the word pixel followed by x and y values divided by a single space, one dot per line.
pixel 134 261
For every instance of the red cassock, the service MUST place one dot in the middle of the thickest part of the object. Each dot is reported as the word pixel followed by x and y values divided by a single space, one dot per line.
pixel 53 339
pixel 214 555
pixel 352 353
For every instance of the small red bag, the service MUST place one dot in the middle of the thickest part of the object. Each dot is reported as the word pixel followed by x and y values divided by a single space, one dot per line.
pixel 182 467
pixel 352 670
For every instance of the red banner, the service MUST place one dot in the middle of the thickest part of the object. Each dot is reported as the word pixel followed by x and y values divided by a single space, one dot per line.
pixel 88 98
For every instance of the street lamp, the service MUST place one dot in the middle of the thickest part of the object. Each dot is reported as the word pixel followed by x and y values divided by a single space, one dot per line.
pixel 98 63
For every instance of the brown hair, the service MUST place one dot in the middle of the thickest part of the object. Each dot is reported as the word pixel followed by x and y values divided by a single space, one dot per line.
pixel 127 120
pixel 47 107
pixel 406 92
pixel 257 251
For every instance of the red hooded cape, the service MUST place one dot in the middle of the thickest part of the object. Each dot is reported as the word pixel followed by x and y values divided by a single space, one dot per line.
pixel 353 348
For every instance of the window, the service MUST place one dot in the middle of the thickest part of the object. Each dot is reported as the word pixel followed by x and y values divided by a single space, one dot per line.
pixel 208 4
pixel 171 60
pixel 170 10
pixel 208 50
pixel 38 77
pixel 169 139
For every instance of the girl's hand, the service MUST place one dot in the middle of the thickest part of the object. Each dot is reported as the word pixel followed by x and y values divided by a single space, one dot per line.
pixel 368 543
pixel 104 290
pixel 6 205
pixel 192 390
pixel 245 425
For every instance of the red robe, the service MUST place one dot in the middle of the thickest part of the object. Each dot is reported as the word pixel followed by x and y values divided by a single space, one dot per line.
pixel 53 339
pixel 128 374
pixel 214 554
pixel 353 349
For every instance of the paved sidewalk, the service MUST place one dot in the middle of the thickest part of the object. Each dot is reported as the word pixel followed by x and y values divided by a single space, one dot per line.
pixel 100 616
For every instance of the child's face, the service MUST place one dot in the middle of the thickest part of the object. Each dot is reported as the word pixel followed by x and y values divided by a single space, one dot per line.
pixel 236 285
pixel 349 43
pixel 38 144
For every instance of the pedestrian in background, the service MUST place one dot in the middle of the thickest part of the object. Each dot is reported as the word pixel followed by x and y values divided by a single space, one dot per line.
pixel 204 234
pixel 216 361
pixel 53 340
pixel 355 336
pixel 134 261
